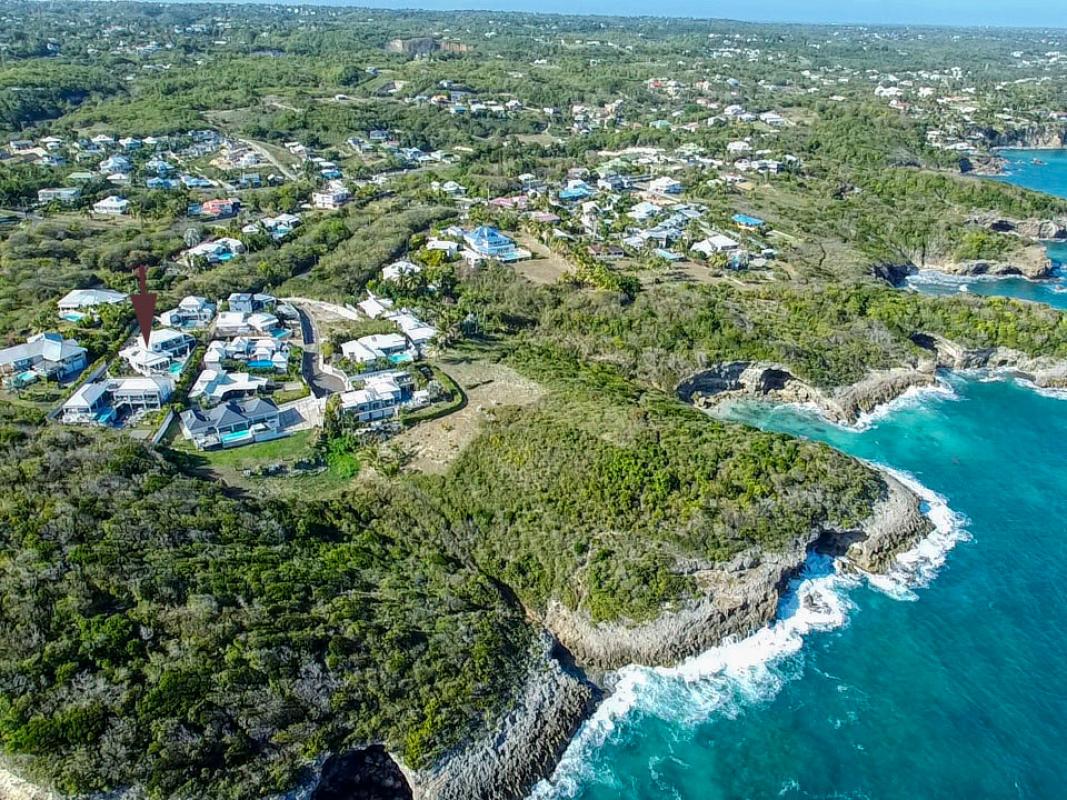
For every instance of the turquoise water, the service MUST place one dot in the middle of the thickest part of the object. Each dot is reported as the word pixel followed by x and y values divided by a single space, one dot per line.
pixel 1051 177
pixel 942 681
pixel 1052 292
pixel 235 436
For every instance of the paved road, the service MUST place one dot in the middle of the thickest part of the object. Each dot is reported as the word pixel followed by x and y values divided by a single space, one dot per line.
pixel 319 382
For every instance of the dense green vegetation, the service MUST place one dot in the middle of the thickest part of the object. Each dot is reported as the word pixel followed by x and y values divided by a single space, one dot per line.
pixel 163 631
pixel 203 642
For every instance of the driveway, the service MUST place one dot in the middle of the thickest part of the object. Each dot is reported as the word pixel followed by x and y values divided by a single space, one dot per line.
pixel 320 383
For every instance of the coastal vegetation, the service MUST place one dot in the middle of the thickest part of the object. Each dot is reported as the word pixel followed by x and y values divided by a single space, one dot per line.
pixel 216 624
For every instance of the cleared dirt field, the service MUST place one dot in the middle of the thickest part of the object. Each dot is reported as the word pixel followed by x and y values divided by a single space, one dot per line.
pixel 546 267
pixel 435 444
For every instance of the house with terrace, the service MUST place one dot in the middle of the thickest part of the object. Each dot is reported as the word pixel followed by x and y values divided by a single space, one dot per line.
pixel 249 303
pixel 665 185
pixel 232 423
pixel 242 323
pixel 260 353
pixel 487 242
pixel 192 312
pixel 164 354
pixel 414 329
pixel 332 197
pixel 217 385
pixel 218 251
pixel 380 398
pixel 377 350
pixel 113 206
pixel 716 243
pixel 46 356
pixel 66 196
pixel 108 401
pixel 80 304
pixel 276 227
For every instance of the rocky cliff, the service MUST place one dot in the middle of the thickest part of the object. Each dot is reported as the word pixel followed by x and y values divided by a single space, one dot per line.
pixel 774 382
pixel 525 745
pixel 739 597
pixel 1038 137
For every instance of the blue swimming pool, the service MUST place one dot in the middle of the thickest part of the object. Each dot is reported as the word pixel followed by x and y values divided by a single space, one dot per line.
pixel 72 316
pixel 175 369
pixel 261 364
pixel 400 358
pixel 25 378
pixel 235 437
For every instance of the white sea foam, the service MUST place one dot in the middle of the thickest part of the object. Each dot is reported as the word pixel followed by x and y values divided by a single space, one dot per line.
pixel 1054 393
pixel 740 672
pixel 911 398
pixel 917 567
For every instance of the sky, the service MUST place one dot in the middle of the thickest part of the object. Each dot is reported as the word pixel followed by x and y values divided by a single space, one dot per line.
pixel 1001 13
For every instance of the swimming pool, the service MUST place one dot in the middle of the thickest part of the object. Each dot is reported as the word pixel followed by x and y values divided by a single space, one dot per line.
pixel 72 316
pixel 261 364
pixel 235 437
pixel 175 369
pixel 400 358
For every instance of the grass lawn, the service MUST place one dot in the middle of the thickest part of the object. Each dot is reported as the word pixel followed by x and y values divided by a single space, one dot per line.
pixel 229 465
pixel 285 450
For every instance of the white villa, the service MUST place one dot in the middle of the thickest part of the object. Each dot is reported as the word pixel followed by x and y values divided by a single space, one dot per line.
pixel 217 385
pixel 717 243
pixel 665 185
pixel 380 398
pixel 105 400
pixel 44 356
pixel 334 196
pixel 192 312
pixel 242 323
pixel 112 206
pixel 375 307
pixel 74 305
pixel 394 271
pixel 261 353
pixel 166 348
pixel 214 252
pixel 417 332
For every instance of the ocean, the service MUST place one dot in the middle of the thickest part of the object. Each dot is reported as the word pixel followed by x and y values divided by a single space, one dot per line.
pixel 1049 176
pixel 945 678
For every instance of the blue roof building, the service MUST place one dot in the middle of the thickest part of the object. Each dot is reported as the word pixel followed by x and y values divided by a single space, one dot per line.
pixel 488 242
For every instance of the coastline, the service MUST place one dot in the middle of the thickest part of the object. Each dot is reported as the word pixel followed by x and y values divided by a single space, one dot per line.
pixel 560 709
pixel 750 600
pixel 814 599
pixel 742 600
pixel 855 405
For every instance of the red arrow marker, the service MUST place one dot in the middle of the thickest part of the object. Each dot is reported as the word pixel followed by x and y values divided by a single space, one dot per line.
pixel 144 305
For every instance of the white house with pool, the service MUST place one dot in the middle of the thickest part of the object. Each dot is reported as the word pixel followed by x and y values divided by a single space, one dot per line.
pixel 81 304
pixel 164 354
